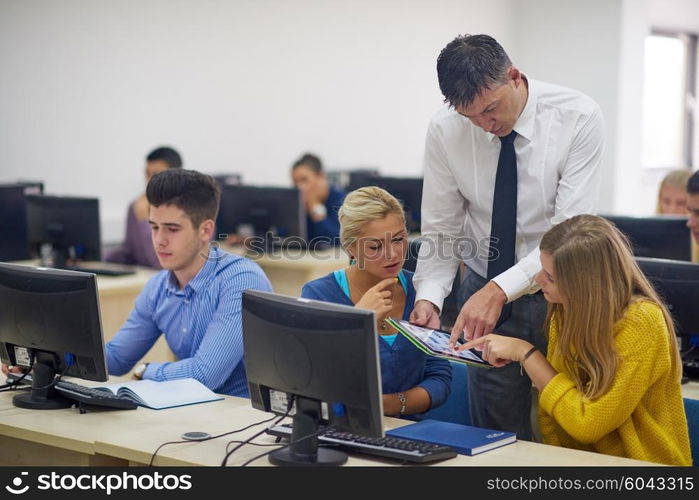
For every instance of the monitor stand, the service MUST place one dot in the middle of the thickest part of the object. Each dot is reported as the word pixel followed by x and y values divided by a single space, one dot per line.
pixel 42 397
pixel 303 447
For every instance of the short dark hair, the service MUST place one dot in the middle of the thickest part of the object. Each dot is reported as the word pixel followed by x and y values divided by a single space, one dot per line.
pixel 194 193
pixel 166 154
pixel 309 160
pixel 468 65
pixel 693 183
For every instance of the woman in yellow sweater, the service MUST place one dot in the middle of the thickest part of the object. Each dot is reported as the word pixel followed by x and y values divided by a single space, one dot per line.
pixel 611 381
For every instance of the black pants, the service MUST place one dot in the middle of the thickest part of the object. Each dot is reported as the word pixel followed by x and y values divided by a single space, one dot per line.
pixel 500 398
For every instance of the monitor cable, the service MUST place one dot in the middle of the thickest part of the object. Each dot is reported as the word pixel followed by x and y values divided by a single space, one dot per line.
pixel 289 406
pixel 14 384
pixel 152 458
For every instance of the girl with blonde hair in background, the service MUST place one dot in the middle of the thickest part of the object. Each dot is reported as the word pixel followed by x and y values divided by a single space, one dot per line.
pixel 611 381
pixel 672 194
pixel 673 197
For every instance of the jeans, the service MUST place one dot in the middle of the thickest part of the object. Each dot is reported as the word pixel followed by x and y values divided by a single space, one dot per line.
pixel 500 398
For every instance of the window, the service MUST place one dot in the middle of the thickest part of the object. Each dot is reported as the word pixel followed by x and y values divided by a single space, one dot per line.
pixel 668 100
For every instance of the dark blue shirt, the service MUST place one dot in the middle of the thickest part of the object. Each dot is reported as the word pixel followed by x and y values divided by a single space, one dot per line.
pixel 329 228
pixel 403 366
pixel 202 324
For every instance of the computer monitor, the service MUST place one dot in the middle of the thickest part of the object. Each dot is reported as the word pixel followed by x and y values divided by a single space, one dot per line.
pixel 13 223
pixel 408 190
pixel 31 187
pixel 50 321
pixel 353 177
pixel 275 215
pixel 62 228
pixel 677 283
pixel 662 237
pixel 229 179
pixel 319 353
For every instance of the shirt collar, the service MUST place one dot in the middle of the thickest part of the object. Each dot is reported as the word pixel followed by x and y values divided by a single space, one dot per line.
pixel 202 278
pixel 525 123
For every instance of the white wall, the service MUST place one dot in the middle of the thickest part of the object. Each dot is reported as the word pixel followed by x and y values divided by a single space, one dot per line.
pixel 674 14
pixel 575 44
pixel 88 87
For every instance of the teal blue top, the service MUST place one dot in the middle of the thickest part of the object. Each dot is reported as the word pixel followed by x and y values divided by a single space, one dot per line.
pixel 341 278
pixel 403 365
pixel 390 338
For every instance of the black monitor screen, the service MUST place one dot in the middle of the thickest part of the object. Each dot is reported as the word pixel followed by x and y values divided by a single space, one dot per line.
pixel 70 226
pixel 50 319
pixel 230 179
pixel 408 190
pixel 13 223
pixel 678 284
pixel 661 237
pixel 274 213
pixel 319 353
pixel 345 179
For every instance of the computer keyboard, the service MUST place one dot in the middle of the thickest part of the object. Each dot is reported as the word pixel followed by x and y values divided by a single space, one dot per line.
pixel 83 394
pixel 398 448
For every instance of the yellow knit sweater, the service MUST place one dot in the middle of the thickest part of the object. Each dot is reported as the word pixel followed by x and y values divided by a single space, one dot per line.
pixel 641 416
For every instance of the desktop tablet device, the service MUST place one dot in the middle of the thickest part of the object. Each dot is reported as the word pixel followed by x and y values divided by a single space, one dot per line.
pixel 436 343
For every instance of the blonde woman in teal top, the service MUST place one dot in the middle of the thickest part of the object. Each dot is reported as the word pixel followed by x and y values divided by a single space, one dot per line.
pixel 373 232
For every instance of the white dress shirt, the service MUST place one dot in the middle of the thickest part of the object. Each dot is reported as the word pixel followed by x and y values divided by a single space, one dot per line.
pixel 558 147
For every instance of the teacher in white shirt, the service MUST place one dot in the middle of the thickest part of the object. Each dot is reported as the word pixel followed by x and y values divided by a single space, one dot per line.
pixel 506 158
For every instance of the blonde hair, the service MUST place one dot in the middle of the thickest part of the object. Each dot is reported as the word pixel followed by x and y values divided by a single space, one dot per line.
pixel 677 179
pixel 365 205
pixel 598 278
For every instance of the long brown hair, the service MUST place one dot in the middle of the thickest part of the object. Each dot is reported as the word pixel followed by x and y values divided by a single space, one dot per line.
pixel 598 279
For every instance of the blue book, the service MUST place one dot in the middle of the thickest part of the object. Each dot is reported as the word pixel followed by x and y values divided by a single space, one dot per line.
pixel 465 439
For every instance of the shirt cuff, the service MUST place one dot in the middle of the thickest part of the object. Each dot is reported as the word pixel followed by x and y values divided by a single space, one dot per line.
pixel 432 292
pixel 151 371
pixel 515 283
pixel 554 391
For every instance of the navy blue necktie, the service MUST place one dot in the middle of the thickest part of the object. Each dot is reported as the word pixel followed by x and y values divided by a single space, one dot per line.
pixel 503 229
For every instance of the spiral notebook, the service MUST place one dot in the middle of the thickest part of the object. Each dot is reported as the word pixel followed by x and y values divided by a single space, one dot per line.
pixel 165 394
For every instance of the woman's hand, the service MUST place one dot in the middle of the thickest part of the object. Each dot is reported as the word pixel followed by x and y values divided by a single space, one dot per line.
pixel 378 299
pixel 499 350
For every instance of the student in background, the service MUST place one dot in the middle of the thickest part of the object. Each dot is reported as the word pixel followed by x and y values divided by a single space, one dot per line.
pixel 137 248
pixel 611 380
pixel 196 301
pixel 672 194
pixel 693 212
pixel 373 232
pixel 321 200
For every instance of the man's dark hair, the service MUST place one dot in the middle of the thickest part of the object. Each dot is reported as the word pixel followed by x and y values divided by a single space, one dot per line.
pixel 693 183
pixel 468 65
pixel 309 160
pixel 196 194
pixel 166 154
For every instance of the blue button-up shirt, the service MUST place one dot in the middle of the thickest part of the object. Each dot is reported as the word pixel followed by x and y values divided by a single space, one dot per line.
pixel 201 323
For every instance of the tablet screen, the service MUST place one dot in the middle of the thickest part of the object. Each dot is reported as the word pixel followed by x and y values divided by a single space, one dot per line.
pixel 437 341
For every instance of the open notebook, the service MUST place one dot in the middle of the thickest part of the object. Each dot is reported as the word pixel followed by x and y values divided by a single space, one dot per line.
pixel 166 394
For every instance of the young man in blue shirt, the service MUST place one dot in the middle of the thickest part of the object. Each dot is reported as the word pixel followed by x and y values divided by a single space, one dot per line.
pixel 196 301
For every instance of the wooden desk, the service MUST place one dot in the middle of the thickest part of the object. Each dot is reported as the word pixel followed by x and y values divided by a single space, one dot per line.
pixel 289 269
pixel 117 295
pixel 120 438
pixel 691 389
